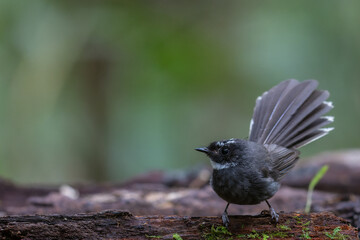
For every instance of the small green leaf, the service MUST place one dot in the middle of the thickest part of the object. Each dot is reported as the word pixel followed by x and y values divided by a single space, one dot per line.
pixel 177 236
pixel 318 176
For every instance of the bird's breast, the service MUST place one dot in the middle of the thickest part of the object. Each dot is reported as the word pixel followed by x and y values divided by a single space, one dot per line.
pixel 240 186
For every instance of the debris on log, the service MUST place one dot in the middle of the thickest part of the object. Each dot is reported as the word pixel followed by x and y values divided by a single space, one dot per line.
pixel 123 225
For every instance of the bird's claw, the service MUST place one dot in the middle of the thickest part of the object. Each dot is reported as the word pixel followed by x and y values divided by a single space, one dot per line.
pixel 274 215
pixel 225 219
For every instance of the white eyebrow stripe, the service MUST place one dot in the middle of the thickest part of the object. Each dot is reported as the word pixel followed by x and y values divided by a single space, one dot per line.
pixel 231 140
pixel 220 144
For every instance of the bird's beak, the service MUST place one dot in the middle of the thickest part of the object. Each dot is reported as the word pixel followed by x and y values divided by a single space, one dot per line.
pixel 203 149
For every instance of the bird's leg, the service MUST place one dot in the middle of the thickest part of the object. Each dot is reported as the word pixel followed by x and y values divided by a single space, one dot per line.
pixel 225 217
pixel 273 214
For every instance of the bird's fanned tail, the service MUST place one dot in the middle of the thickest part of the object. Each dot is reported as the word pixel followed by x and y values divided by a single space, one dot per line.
pixel 291 114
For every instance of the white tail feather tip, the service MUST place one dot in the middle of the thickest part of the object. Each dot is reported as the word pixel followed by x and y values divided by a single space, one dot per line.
pixel 251 124
pixel 326 130
pixel 330 104
pixel 329 118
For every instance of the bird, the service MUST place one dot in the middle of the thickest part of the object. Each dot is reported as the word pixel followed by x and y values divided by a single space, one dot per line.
pixel 287 117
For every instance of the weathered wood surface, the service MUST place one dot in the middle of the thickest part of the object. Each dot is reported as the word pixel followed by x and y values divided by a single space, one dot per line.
pixel 182 193
pixel 123 225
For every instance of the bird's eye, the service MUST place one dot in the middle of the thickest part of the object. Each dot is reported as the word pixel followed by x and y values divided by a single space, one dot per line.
pixel 224 151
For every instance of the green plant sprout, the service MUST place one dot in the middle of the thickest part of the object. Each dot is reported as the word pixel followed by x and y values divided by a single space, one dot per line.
pixel 177 236
pixel 283 227
pixel 219 232
pixel 319 175
pixel 336 234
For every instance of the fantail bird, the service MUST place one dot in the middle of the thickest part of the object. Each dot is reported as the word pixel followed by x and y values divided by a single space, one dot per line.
pixel 287 117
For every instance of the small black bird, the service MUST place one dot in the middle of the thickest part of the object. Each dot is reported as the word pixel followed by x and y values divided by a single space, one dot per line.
pixel 287 117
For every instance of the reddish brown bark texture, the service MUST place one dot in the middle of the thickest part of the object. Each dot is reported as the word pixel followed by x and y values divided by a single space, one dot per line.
pixel 122 225
pixel 28 212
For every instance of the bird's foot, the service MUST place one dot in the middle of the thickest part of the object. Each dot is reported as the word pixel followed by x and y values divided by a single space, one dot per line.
pixel 225 219
pixel 274 215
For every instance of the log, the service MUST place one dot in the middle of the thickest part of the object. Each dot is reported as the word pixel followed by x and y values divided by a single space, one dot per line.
pixel 123 225
pixel 50 212
pixel 342 177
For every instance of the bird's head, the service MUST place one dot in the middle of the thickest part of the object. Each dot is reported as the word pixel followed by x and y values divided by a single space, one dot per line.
pixel 223 154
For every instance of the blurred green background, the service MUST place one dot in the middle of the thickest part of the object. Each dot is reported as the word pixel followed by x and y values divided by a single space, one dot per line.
pixel 105 90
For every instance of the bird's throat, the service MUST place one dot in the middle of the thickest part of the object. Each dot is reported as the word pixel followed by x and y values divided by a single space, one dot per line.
pixel 219 166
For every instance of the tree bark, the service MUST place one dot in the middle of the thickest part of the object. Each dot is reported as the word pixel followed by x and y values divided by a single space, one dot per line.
pixel 123 225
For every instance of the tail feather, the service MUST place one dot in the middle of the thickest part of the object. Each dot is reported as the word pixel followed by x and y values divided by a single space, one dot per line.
pixel 271 108
pixel 287 106
pixel 306 122
pixel 290 114
pixel 261 112
pixel 313 127
pixel 315 100
pixel 312 137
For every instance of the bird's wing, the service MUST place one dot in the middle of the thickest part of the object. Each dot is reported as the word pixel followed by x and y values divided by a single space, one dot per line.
pixel 282 159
